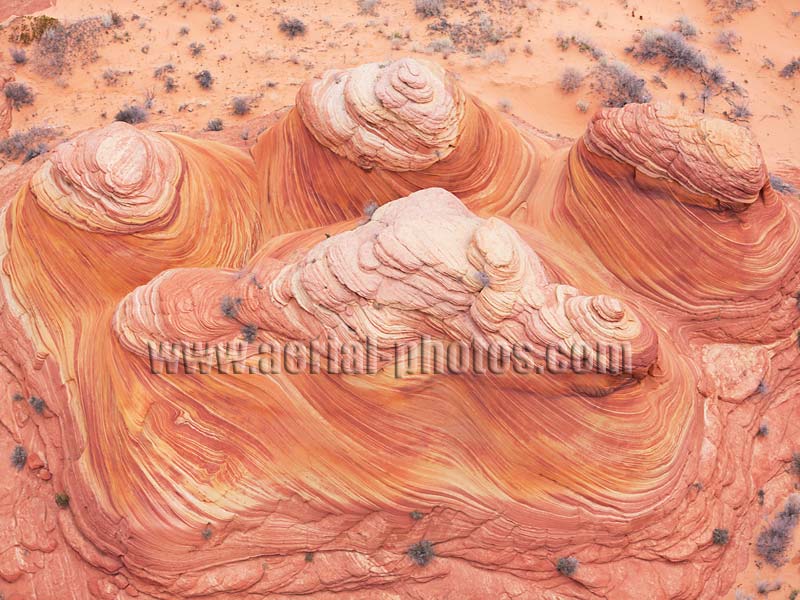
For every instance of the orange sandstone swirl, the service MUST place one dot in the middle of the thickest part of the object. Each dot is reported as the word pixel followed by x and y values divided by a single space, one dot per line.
pixel 381 131
pixel 679 208
pixel 277 465
pixel 216 484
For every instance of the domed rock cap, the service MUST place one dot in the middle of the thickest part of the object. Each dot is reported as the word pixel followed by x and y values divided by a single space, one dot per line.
pixel 402 116
pixel 708 157
pixel 115 179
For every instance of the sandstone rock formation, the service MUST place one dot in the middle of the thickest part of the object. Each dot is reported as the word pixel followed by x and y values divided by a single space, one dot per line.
pixel 161 296
pixel 389 129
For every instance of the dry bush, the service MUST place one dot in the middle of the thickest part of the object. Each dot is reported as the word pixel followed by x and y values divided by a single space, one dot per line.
pixel 773 541
pixel 132 114
pixel 27 143
pixel 20 94
pixel 429 8
pixel 619 85
pixel 729 40
pixel 791 68
pixel 571 80
pixel 672 49
pixel 61 46
pixel 292 27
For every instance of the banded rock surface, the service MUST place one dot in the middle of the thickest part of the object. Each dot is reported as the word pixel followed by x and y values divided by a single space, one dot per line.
pixel 261 483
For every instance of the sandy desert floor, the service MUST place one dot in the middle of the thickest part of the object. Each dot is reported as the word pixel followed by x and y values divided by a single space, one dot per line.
pixel 248 56
pixel 512 55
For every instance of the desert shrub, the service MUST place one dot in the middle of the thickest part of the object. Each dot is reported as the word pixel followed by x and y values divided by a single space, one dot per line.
pixel 571 80
pixel 416 515
pixel 19 456
pixel 685 27
pixel 773 541
pixel 309 557
pixel 729 7
pixel 780 185
pixel 32 153
pixel 204 79
pixel 672 48
pixel 367 7
pixel 567 565
pixel 206 533
pixel 214 125
pixel 26 142
pixel 230 306
pixel 61 46
pixel 582 105
pixel 132 114
pixel 51 51
pixel 739 112
pixel 765 587
pixel 19 56
pixel 791 68
pixel 292 27
pixel 170 85
pixel 729 39
pixel 583 43
pixel 763 430
pixel 421 553
pixel 37 404
pixel 370 209
pixel 620 86
pixel 111 76
pixel 241 105
pixel 483 278
pixel 441 46
pixel 159 72
pixel 184 30
pixel 20 94
pixel 720 537
pixel 504 105
pixel 231 17
pixel 215 24
pixel 196 48
pixel 250 333
pixel 62 500
pixel 429 8
pixel 714 76
pixel 214 5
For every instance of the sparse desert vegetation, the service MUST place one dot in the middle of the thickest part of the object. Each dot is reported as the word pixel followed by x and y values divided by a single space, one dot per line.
pixel 27 144
pixel 18 93
pixel 421 553
pixel 619 85
pixel 571 80
pixel 132 114
pixel 567 565
pixel 292 27
pixel 204 79
pixel 773 541
pixel 429 8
